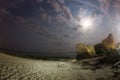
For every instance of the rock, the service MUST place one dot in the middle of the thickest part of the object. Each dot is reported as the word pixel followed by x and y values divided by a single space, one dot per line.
pixel 110 59
pixel 74 60
pixel 109 43
pixel 91 50
pixel 83 49
pixel 99 48
pixel 106 46
pixel 92 61
pixel 62 65
pixel 118 47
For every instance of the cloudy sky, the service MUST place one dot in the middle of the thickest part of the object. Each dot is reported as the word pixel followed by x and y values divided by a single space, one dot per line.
pixel 57 25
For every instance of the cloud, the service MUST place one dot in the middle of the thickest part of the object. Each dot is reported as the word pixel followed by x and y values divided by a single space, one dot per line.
pixel 87 3
pixel 67 13
pixel 66 36
pixel 6 16
pixel 60 18
pixel 117 8
pixel 62 10
pixel 30 25
pixel 41 9
pixel 61 1
pixel 81 12
pixel 35 27
pixel 46 18
pixel 104 6
pixel 56 6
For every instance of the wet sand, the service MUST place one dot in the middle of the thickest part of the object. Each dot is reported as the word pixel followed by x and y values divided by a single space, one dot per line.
pixel 16 68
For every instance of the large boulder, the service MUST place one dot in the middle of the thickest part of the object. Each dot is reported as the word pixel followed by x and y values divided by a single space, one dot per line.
pixel 106 46
pixel 85 50
pixel 109 43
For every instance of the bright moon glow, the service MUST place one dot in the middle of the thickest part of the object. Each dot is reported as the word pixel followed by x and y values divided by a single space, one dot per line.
pixel 86 23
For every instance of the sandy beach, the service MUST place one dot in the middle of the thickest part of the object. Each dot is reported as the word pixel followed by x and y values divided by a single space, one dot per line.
pixel 16 68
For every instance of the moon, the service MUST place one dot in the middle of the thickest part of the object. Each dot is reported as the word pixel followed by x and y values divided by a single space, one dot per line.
pixel 86 23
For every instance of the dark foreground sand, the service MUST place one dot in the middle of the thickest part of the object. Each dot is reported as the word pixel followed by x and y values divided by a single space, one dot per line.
pixel 15 68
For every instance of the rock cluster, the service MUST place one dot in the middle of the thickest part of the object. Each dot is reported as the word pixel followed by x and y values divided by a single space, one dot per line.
pixel 106 46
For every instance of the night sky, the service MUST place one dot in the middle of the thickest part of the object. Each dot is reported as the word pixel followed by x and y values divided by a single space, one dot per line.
pixel 55 26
